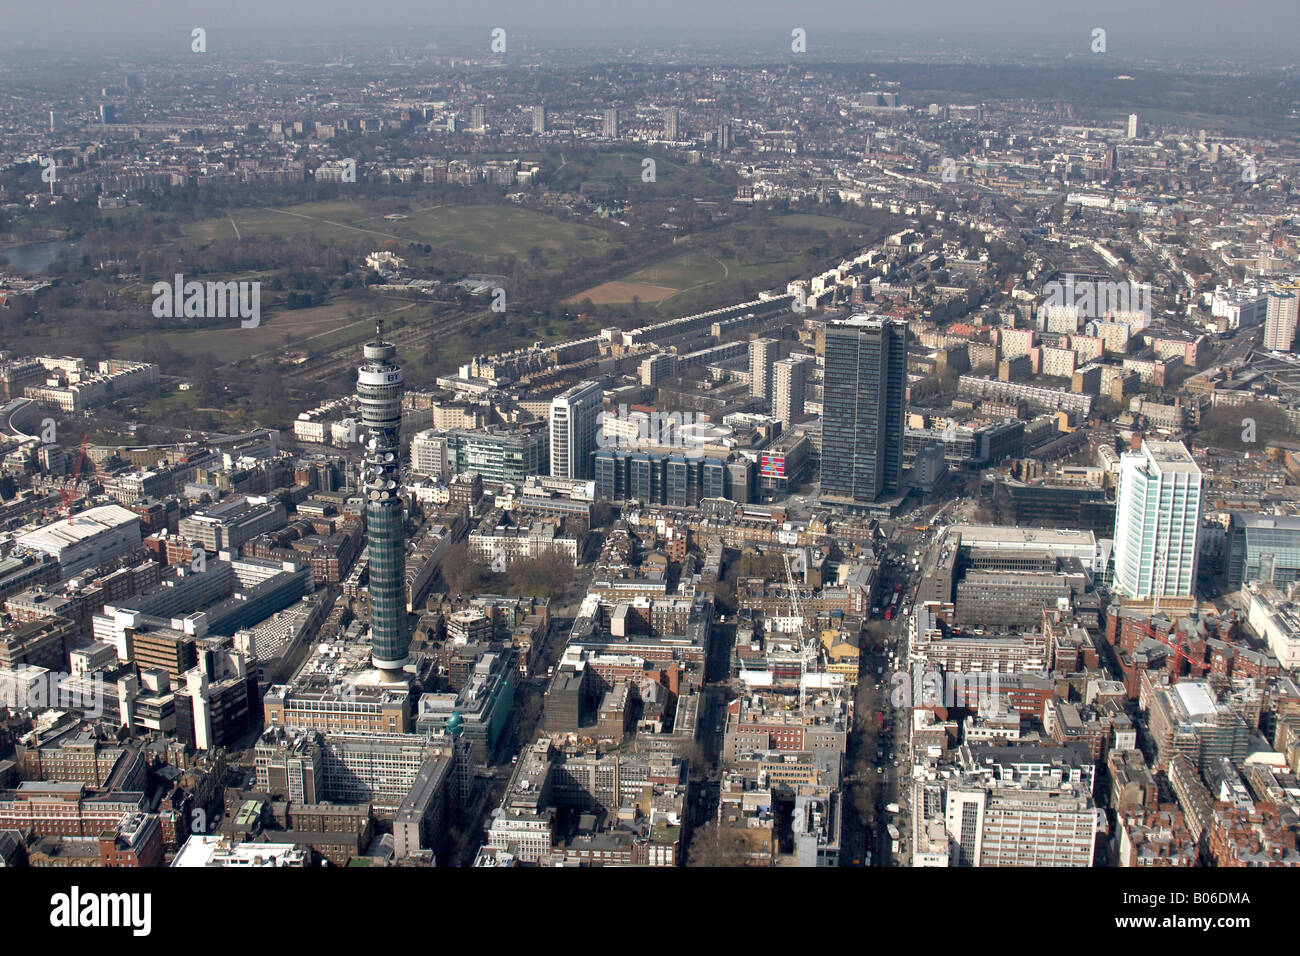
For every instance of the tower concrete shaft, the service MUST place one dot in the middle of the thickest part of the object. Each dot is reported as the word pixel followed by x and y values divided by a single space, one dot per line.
pixel 379 390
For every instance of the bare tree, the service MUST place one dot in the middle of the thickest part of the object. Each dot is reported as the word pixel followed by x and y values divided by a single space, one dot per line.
pixel 714 845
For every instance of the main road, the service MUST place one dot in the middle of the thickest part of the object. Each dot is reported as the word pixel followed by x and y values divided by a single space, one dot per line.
pixel 878 766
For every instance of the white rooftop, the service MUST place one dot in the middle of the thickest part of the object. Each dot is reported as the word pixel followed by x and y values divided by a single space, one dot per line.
pixel 202 851
pixel 976 534
pixel 1196 698
pixel 1170 456
pixel 58 535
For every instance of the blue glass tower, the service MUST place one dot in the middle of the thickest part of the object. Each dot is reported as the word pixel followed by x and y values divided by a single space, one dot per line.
pixel 379 390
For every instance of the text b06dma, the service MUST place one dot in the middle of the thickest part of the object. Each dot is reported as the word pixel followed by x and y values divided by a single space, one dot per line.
pixel 1211 897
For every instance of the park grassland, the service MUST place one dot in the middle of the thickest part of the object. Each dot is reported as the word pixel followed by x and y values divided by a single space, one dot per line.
pixel 625 172
pixel 315 329
pixel 806 220
pixel 485 232
pixel 680 279
pixel 479 230
pixel 482 230
pixel 239 376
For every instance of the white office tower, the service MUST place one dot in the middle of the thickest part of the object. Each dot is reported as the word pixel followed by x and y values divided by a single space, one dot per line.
pixel 575 417
pixel 1157 519
pixel 1280 321
pixel 429 454
pixel 1132 126
pixel 788 389
pixel 1032 823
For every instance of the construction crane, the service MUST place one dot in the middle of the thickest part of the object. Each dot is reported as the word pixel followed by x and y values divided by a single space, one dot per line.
pixel 1179 645
pixel 794 613
pixel 1277 368
pixel 805 647
pixel 789 578
pixel 1176 645
pixel 69 494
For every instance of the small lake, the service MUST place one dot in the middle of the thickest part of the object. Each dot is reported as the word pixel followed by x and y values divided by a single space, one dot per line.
pixel 35 257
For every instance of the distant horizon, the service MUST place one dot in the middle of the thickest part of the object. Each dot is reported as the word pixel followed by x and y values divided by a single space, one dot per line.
pixel 1254 33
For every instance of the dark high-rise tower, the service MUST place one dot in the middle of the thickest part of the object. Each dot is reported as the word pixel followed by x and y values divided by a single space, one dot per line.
pixel 864 408
pixel 379 390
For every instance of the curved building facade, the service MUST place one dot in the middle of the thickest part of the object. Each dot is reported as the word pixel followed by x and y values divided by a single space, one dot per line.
pixel 379 390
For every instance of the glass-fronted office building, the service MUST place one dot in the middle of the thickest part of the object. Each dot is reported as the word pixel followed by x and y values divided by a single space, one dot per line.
pixel 1263 548
pixel 1157 520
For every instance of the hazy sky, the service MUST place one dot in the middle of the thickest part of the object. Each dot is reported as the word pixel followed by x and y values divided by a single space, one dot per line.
pixel 1135 28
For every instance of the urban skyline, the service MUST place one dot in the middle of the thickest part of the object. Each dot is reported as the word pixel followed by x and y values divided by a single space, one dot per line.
pixel 674 438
